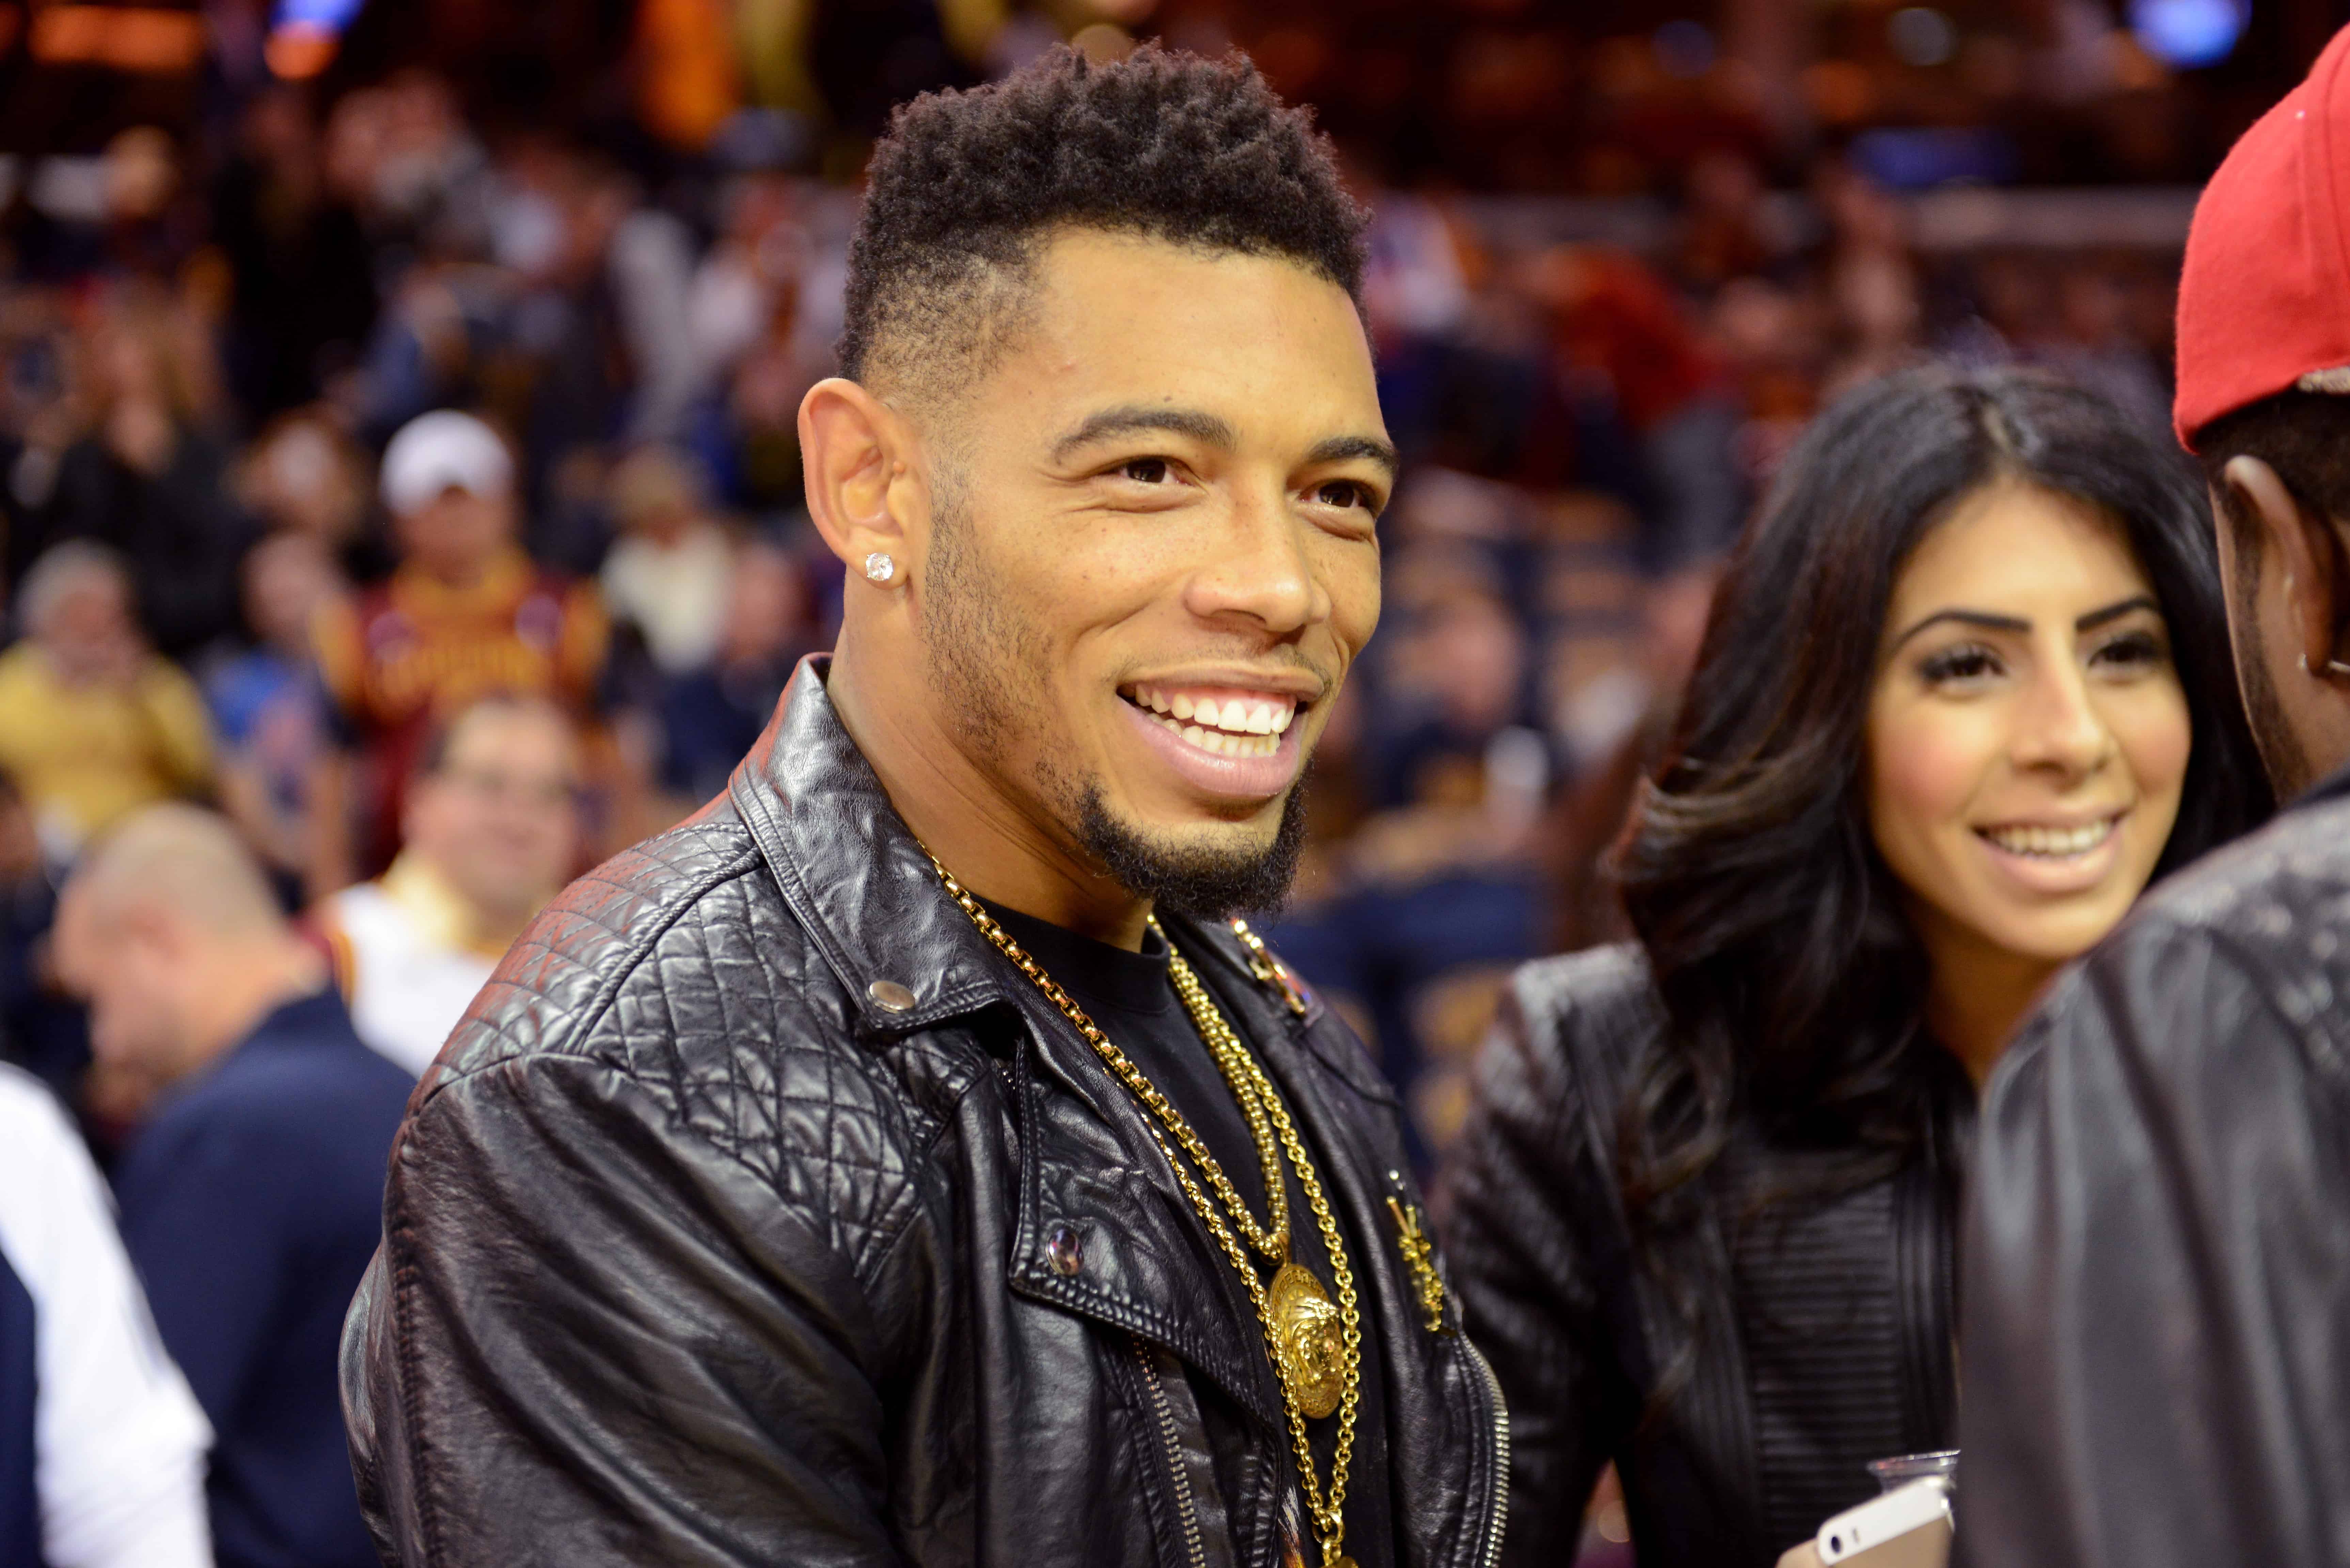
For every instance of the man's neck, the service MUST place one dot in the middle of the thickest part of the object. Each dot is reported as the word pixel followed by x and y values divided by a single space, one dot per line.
pixel 253 980
pixel 994 849
pixel 418 884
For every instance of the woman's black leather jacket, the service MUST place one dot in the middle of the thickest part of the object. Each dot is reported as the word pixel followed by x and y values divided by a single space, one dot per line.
pixel 1740 1377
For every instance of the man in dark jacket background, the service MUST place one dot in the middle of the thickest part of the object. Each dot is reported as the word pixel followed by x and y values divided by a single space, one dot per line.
pixel 2155 1346
pixel 250 1198
pixel 791 1196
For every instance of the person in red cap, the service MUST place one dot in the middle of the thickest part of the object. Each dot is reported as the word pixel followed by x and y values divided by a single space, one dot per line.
pixel 2155 1333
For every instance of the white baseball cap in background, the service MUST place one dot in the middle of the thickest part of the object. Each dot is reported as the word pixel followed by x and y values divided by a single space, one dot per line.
pixel 442 451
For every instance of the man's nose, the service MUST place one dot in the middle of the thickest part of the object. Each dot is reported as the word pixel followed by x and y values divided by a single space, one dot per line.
pixel 1258 570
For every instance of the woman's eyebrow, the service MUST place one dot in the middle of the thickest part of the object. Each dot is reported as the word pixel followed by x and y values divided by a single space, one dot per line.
pixel 1989 622
pixel 2098 618
pixel 1983 618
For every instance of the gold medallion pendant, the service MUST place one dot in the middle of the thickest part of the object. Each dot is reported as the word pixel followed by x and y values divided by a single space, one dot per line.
pixel 1309 1349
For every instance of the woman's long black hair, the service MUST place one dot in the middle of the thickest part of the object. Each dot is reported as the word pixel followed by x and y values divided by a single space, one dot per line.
pixel 1793 980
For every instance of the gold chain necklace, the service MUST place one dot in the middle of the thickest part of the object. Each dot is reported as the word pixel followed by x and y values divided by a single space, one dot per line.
pixel 1316 1348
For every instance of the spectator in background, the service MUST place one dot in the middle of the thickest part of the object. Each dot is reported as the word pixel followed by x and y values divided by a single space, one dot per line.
pixel 303 475
pixel 101 1445
pixel 709 716
pixel 492 831
pixel 753 268
pixel 303 299
pixel 41 1031
pixel 93 723
pixel 253 1198
pixel 666 579
pixel 148 477
pixel 1874 297
pixel 1617 328
pixel 267 706
pixel 465 613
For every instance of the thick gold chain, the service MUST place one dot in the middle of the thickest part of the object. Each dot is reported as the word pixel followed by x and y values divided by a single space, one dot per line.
pixel 1261 1104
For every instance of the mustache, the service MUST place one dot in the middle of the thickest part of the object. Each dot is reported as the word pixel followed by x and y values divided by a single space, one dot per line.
pixel 1327 680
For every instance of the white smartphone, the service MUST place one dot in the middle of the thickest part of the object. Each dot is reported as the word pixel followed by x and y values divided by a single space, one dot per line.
pixel 1909 1527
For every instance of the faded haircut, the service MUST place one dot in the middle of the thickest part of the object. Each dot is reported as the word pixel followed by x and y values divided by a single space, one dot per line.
pixel 1163 144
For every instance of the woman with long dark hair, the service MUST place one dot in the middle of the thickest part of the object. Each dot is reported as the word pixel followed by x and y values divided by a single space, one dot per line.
pixel 1965 691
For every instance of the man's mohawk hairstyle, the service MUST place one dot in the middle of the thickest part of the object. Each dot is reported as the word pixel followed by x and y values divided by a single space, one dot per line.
pixel 1163 144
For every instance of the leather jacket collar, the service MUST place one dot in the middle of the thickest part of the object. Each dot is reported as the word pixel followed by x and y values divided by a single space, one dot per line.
pixel 879 914
pixel 864 892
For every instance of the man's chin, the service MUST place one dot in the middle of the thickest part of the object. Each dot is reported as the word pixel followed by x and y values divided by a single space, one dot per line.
pixel 1212 874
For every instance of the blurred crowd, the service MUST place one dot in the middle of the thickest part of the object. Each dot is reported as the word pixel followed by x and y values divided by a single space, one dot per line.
pixel 420 492
pixel 310 442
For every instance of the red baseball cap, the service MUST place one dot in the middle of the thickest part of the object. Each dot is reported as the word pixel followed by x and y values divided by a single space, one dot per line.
pixel 2265 299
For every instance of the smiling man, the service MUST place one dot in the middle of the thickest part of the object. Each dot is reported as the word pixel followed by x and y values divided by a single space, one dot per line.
pixel 909 1160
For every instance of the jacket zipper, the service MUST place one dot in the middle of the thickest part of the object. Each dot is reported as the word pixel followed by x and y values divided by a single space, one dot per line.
pixel 1492 1552
pixel 1196 1552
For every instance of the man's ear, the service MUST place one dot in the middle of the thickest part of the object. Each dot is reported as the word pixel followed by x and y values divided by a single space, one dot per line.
pixel 2306 546
pixel 865 483
pixel 141 919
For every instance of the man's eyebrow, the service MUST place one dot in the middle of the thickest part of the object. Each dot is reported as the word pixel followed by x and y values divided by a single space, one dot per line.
pixel 1342 449
pixel 1199 426
pixel 2098 618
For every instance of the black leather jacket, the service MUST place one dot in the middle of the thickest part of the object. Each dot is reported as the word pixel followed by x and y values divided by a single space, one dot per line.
pixel 760 1212
pixel 2156 1340
pixel 1815 1337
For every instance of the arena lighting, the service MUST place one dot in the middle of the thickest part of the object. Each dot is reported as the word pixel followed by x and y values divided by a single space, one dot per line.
pixel 139 39
pixel 2186 34
pixel 304 36
pixel 298 51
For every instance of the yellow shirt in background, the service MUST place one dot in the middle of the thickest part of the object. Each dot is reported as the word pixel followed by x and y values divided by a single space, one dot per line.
pixel 86 755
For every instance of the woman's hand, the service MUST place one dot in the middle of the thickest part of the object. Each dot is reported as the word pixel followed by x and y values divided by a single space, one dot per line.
pixel 1807 1555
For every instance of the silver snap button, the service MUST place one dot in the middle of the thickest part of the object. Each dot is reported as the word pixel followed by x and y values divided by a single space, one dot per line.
pixel 1064 1250
pixel 890 996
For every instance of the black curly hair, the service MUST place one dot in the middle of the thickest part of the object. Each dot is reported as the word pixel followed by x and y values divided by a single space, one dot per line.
pixel 1163 144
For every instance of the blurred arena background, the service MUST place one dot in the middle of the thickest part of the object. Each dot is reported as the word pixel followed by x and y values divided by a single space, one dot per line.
pixel 1622 253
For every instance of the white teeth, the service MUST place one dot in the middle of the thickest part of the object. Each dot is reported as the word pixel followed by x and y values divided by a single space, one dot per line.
pixel 1218 743
pixel 1246 728
pixel 2050 843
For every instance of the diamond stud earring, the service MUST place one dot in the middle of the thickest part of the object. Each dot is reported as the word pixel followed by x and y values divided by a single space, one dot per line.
pixel 879 568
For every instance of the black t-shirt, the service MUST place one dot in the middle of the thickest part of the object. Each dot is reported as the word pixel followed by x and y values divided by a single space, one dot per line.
pixel 1131 998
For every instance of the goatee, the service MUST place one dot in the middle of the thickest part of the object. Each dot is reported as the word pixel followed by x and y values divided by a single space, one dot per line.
pixel 1205 883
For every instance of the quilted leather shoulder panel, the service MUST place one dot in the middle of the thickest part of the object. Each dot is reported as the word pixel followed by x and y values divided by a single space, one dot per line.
pixel 678 965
